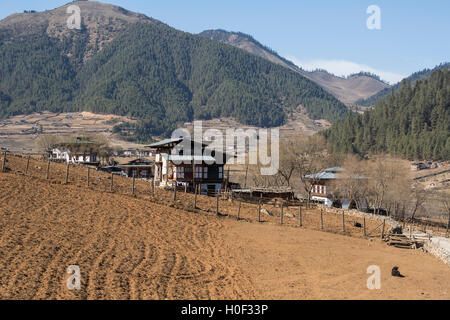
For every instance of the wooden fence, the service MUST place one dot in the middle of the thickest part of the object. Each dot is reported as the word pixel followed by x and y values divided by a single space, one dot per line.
pixel 265 211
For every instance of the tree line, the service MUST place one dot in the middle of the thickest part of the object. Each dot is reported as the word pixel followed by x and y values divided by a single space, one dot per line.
pixel 371 101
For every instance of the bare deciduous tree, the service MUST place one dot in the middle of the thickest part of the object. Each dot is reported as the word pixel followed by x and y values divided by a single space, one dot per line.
pixel 444 201
pixel 312 159
pixel 418 196
pixel 298 158
pixel 390 185
pixel 46 142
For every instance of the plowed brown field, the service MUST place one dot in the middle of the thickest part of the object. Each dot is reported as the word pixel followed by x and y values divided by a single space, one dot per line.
pixel 135 247
pixel 126 248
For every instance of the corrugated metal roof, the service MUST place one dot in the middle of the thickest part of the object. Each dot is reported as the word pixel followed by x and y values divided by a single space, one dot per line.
pixel 242 190
pixel 124 161
pixel 134 166
pixel 176 142
pixel 334 169
pixel 190 158
pixel 323 175
pixel 164 142
pixel 327 174
pixel 332 176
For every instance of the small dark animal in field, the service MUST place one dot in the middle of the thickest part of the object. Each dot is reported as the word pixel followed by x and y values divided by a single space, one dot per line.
pixel 357 225
pixel 396 273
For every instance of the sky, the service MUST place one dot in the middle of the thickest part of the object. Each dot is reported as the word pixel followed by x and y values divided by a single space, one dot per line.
pixel 327 34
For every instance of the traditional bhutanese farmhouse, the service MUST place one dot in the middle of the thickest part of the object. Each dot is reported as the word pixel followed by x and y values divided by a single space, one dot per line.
pixel 138 168
pixel 324 183
pixel 79 151
pixel 321 185
pixel 195 166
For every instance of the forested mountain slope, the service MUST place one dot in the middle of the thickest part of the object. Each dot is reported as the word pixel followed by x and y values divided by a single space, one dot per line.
pixel 347 90
pixel 414 123
pixel 371 101
pixel 145 70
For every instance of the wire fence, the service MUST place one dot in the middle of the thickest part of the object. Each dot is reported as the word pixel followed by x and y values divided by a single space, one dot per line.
pixel 293 214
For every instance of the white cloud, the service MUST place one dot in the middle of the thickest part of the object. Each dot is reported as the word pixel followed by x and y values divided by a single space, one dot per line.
pixel 344 68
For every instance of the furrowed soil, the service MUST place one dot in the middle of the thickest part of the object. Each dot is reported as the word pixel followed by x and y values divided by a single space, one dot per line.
pixel 126 248
pixel 138 247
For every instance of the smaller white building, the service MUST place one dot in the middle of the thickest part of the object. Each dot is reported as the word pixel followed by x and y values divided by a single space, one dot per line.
pixel 59 155
pixel 74 158
pixel 78 152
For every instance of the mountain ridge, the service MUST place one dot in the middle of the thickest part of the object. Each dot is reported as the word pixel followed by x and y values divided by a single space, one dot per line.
pixel 348 90
pixel 94 15
pixel 416 76
pixel 147 70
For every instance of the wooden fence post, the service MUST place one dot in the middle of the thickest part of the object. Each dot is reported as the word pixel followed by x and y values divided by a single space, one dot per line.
pixel 28 165
pixel 343 221
pixel 382 230
pixel 217 202
pixel 88 177
pixel 281 214
pixel 194 184
pixel 4 162
pixel 175 192
pixel 300 216
pixel 48 170
pixel 239 210
pixel 448 227
pixel 153 171
pixel 153 187
pixel 195 196
pixel 259 211
pixel 246 175
pixel 321 219
pixel 67 173
pixel 111 187
pixel 132 184
pixel 364 226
